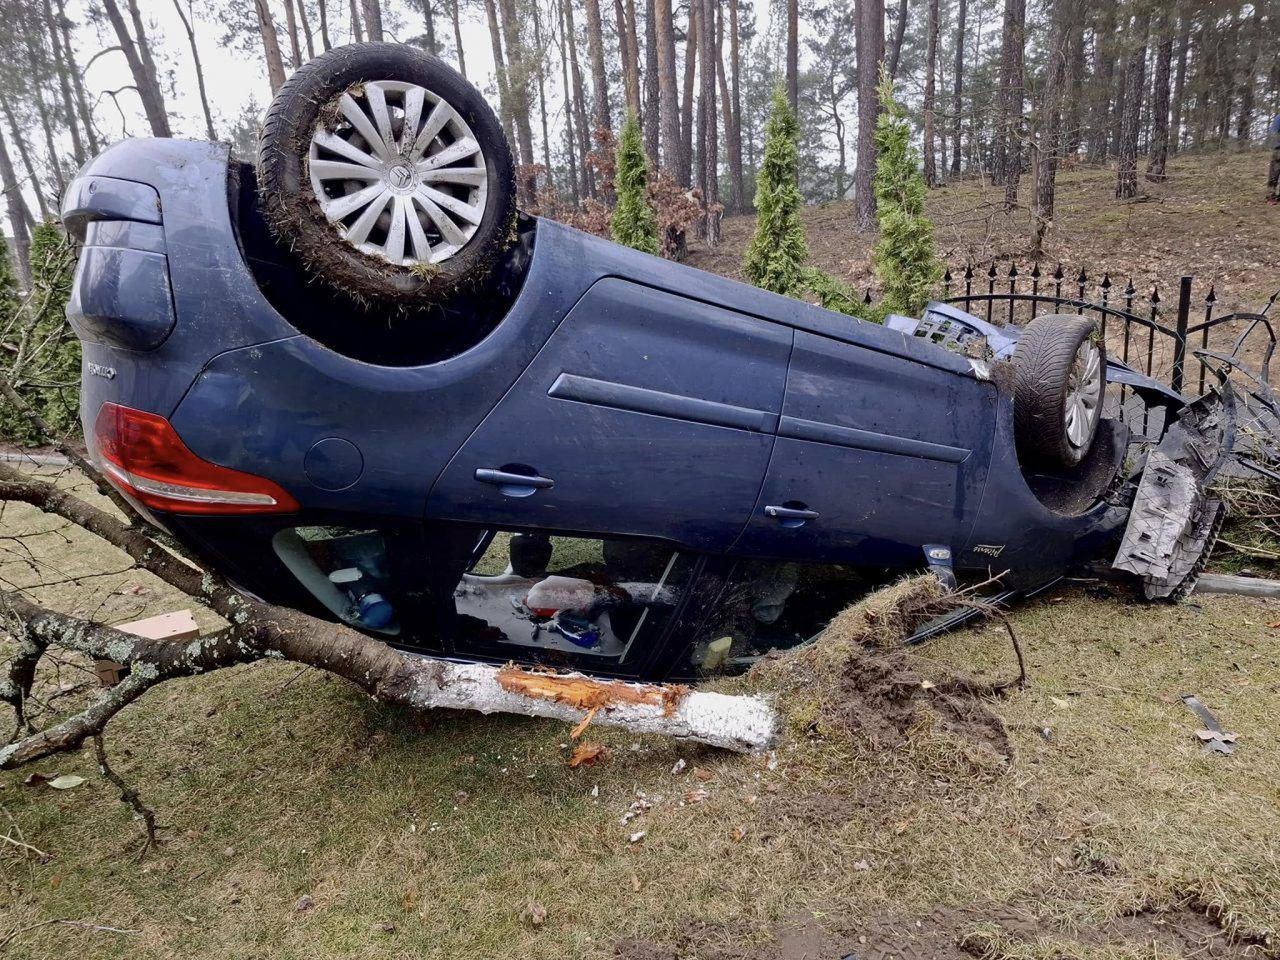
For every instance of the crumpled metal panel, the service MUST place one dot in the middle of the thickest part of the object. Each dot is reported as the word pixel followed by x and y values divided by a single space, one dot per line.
pixel 1173 522
pixel 1163 510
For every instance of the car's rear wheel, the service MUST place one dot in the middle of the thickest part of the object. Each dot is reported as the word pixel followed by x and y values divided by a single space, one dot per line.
pixel 387 174
pixel 1059 380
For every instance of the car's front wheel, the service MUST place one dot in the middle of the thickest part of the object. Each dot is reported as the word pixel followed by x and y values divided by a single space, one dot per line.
pixel 387 174
pixel 1060 379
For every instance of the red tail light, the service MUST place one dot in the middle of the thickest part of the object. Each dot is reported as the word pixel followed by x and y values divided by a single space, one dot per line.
pixel 143 455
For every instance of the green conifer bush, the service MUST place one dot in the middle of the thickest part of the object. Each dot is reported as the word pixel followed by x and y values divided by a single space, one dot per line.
pixel 634 223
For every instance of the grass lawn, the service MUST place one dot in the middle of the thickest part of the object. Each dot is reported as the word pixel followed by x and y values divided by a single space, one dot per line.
pixel 1081 819
pixel 304 820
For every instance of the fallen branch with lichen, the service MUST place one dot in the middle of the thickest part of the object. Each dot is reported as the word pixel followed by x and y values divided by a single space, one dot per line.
pixel 258 630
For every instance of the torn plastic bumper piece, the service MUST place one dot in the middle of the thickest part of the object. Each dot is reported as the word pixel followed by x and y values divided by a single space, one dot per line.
pixel 1174 522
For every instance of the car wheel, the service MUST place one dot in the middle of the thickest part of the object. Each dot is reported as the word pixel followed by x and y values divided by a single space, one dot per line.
pixel 1059 382
pixel 387 174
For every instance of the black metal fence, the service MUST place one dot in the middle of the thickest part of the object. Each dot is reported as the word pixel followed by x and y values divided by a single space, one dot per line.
pixel 1153 335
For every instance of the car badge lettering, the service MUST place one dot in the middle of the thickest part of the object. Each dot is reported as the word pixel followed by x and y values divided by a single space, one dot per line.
pixel 990 549
pixel 98 370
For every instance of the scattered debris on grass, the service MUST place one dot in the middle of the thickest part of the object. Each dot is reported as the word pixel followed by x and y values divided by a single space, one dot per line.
pixel 1215 739
pixel 534 913
pixel 588 755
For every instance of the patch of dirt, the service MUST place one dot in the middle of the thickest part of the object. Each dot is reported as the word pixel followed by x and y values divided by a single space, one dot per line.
pixel 857 683
pixel 880 697
pixel 954 933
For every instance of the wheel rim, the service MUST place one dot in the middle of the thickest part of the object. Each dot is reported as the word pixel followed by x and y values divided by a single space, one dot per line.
pixel 1084 394
pixel 399 172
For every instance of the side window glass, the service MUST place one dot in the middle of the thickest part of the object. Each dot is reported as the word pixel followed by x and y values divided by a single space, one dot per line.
pixel 568 600
pixel 770 606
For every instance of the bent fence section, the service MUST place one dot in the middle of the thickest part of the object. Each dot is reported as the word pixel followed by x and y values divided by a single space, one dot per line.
pixel 1155 336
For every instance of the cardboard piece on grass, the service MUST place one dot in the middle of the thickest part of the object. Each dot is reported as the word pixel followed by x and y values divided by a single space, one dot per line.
pixel 178 625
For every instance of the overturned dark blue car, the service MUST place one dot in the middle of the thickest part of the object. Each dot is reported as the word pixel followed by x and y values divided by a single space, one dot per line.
pixel 357 381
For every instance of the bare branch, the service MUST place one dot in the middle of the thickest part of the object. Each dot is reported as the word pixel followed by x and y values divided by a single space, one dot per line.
pixel 138 542
pixel 101 53
pixel 73 453
pixel 129 796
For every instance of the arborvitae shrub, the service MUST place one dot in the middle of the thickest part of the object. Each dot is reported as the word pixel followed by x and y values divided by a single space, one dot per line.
pixel 905 258
pixel 46 368
pixel 634 223
pixel 777 256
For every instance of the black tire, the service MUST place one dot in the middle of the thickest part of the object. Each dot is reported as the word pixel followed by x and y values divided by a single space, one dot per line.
pixel 1045 359
pixel 309 99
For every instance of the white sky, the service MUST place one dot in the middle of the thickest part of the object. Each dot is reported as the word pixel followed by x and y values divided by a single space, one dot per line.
pixel 233 79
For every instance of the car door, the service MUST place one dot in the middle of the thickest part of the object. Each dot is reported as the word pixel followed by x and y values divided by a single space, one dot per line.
pixel 645 414
pixel 877 454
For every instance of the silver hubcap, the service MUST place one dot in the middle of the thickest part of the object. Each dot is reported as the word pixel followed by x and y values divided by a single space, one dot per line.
pixel 400 173
pixel 1084 393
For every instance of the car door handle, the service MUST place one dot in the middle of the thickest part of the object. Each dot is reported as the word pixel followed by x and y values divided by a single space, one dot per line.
pixel 791 514
pixel 513 484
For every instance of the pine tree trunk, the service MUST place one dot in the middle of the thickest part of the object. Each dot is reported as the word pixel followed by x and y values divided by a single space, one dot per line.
pixel 1003 134
pixel 64 84
pixel 373 19
pixel 930 92
pixel 429 22
pixel 1127 174
pixel 356 30
pixel 1049 143
pixel 148 89
pixel 899 34
pixel 869 30
pixel 1179 85
pixel 518 88
pixel 325 42
pixel 652 106
pixel 579 101
pixel 291 27
pixel 626 17
pixel 708 159
pixel 1103 82
pixel 37 66
pixel 1121 96
pixel 542 90
pixel 599 79
pixel 19 216
pixel 307 33
pixel 270 45
pixel 570 107
pixel 1074 94
pixel 1012 85
pixel 733 117
pixel 793 55
pixel 1158 155
pixel 668 95
pixel 457 37
pixel 1247 52
pixel 685 171
pixel 726 107
pixel 957 98
pixel 195 60
pixel 148 63
pixel 82 102
pixel 20 141
pixel 500 74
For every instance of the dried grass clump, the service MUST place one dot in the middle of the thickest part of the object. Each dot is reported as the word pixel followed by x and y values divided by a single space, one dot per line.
pixel 1251 535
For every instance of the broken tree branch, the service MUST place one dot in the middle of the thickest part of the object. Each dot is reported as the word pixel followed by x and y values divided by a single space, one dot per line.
pixel 129 796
